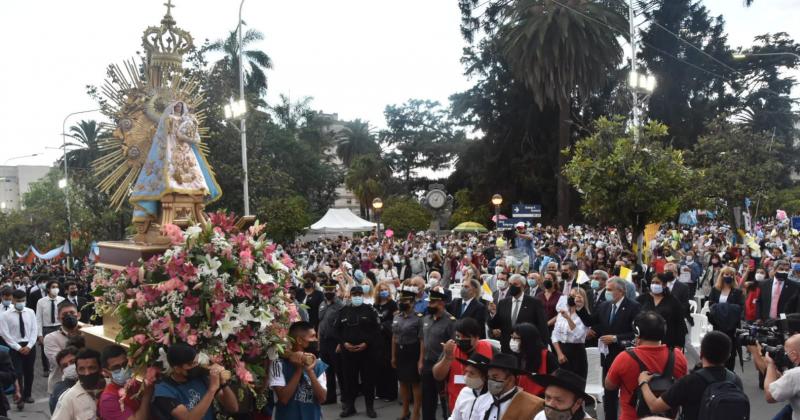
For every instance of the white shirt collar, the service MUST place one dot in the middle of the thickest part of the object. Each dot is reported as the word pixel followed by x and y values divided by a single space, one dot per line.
pixel 467 302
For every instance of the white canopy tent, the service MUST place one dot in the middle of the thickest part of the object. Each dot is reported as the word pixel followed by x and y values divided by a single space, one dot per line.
pixel 341 221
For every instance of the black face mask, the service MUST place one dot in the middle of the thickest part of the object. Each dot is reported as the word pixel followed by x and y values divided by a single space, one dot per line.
pixel 73 293
pixel 309 285
pixel 464 344
pixel 564 275
pixel 571 301
pixel 514 290
pixel 433 310
pixel 548 284
pixel 69 321
pixel 197 372
pixel 669 276
pixel 403 306
pixel 330 295
pixel 91 381
pixel 312 347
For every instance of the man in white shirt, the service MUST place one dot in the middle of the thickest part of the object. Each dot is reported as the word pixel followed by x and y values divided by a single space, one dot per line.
pixel 80 401
pixel 19 331
pixel 47 316
pixel 57 341
pixel 785 387
pixel 504 399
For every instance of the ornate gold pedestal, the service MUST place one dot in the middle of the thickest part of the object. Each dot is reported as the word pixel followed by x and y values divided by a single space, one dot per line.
pixel 182 210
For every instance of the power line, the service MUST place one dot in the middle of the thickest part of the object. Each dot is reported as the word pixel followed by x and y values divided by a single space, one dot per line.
pixel 658 25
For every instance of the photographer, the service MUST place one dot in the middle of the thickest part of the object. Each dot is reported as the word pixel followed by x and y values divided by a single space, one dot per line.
pixel 781 386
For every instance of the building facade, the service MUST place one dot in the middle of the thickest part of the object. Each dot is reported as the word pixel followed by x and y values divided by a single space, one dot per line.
pixel 15 181
pixel 345 199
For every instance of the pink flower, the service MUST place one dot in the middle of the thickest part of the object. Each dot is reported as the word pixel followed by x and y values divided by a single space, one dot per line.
pixel 140 339
pixel 243 373
pixel 151 375
pixel 246 258
pixel 287 261
pixel 173 232
pixel 132 273
pixel 188 311
pixel 172 284
pixel 191 339
pixel 293 314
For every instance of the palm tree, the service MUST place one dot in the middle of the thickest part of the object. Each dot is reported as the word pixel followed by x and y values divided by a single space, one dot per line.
pixel 356 139
pixel 365 179
pixel 86 135
pixel 258 61
pixel 562 50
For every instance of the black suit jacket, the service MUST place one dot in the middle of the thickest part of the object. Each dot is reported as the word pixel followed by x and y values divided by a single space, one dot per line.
pixel 85 312
pixel 475 310
pixel 622 325
pixel 7 378
pixel 313 302
pixel 33 299
pixel 530 311
pixel 681 292
pixel 789 290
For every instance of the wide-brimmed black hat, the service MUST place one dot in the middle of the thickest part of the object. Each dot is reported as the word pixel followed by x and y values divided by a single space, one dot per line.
pixel 505 361
pixel 476 360
pixel 437 294
pixel 329 285
pixel 408 291
pixel 565 379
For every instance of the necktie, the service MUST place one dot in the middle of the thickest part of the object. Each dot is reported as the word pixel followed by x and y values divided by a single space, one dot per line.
pixel 496 404
pixel 52 311
pixel 515 312
pixel 463 307
pixel 613 314
pixel 776 297
pixel 21 326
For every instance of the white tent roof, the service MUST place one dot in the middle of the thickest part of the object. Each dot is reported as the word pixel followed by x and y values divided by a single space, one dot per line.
pixel 341 220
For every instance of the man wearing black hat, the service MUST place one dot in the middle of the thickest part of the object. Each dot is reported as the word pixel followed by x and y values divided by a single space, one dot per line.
pixel 505 400
pixel 357 325
pixel 329 338
pixel 564 396
pixel 437 329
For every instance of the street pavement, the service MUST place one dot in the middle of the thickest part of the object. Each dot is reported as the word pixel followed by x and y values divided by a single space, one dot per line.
pixel 759 409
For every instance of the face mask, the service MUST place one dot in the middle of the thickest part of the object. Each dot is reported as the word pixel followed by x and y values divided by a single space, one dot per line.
pixel 727 279
pixel 69 321
pixel 197 372
pixel 70 373
pixel 564 275
pixel 475 383
pixel 532 283
pixel 7 303
pixel 669 276
pixel 357 300
pixel 548 284
pixel 466 294
pixel 54 291
pixel 495 387
pixel 595 284
pixel 309 285
pixel 330 295
pixel 715 262
pixel 404 306
pixel 464 344
pixel 609 296
pixel 312 347
pixel 90 381
pixel 760 276
pixel 795 266
pixel 432 283
pixel 433 310
pixel 571 301
pixel 513 344
pixel 514 290
pixel 782 275
pixel 383 294
pixel 19 306
pixel 552 413
pixel 502 284
pixel 657 289
pixel 365 288
pixel 121 376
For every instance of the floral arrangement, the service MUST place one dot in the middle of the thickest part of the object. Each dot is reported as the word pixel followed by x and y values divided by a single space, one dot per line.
pixel 219 289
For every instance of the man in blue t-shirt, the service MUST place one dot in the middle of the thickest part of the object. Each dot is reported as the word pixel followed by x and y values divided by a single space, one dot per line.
pixel 190 389
pixel 299 379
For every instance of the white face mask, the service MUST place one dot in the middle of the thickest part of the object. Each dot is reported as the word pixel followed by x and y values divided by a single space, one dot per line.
pixel 760 276
pixel 70 372
pixel 513 344
pixel 502 284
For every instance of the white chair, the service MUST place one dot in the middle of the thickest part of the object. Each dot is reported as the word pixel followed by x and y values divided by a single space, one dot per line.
pixel 699 329
pixel 594 378
pixel 705 309
pixel 693 306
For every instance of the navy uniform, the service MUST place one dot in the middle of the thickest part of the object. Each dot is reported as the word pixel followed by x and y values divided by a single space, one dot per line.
pixel 328 313
pixel 437 328
pixel 407 334
pixel 357 326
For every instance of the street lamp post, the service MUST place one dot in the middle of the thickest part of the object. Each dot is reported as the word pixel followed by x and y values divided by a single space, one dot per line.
pixel 242 123
pixel 497 200
pixel 21 157
pixel 377 204
pixel 66 181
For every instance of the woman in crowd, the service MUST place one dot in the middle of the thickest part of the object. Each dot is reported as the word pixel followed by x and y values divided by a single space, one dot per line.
pixel 726 290
pixel 526 343
pixel 711 274
pixel 407 351
pixel 569 335
pixel 386 382
pixel 387 271
pixel 751 283
pixel 661 300
pixel 550 299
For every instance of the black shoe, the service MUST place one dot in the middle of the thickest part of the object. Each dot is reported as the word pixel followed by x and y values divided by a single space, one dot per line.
pixel 329 402
pixel 29 400
pixel 371 413
pixel 348 411
pixel 20 406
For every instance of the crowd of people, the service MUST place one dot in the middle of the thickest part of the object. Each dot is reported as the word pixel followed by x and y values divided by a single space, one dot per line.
pixel 460 327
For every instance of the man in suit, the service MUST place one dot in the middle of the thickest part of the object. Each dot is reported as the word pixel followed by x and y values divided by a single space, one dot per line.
pixel 469 305
pixel 677 288
pixel 776 294
pixel 501 282
pixel 599 279
pixel 518 307
pixel 78 301
pixel 612 323
pixel 569 279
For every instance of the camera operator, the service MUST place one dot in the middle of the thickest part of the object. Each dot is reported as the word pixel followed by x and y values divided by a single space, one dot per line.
pixel 781 386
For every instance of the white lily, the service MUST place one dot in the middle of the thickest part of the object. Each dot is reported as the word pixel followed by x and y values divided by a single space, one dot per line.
pixel 210 267
pixel 263 277
pixel 193 232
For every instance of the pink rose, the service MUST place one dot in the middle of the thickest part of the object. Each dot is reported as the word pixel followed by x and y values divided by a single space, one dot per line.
pixel 243 373
pixel 173 232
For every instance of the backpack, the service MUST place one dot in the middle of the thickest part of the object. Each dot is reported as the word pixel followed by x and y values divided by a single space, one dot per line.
pixel 723 399
pixel 659 383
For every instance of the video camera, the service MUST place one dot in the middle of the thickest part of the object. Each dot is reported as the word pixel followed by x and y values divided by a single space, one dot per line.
pixel 771 337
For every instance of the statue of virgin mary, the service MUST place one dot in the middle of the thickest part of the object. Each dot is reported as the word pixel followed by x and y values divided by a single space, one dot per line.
pixel 174 166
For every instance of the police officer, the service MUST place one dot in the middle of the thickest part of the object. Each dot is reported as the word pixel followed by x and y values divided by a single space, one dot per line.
pixel 329 338
pixel 437 328
pixel 407 349
pixel 358 339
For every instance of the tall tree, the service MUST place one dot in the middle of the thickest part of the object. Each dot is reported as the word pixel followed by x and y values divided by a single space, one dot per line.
pixel 357 138
pixel 562 53
pixel 85 136
pixel 228 66
pixel 365 178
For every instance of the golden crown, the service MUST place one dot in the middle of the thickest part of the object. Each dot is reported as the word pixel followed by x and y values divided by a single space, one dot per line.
pixel 166 44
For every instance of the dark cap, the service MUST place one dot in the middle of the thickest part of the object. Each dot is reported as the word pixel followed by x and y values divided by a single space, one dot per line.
pixel 408 291
pixel 505 361
pixel 476 360
pixel 436 294
pixel 563 378
pixel 357 289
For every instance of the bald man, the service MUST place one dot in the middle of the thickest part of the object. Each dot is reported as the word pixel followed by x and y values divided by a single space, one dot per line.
pixel 785 387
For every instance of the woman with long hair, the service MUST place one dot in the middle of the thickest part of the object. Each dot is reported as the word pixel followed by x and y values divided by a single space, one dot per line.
pixel 569 335
pixel 661 301
pixel 726 291
pixel 550 299
pixel 527 344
